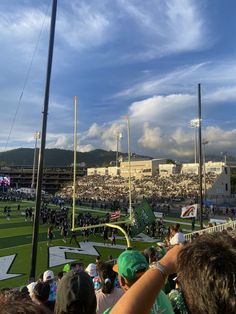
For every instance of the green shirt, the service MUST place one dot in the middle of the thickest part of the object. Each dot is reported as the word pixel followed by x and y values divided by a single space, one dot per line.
pixel 162 305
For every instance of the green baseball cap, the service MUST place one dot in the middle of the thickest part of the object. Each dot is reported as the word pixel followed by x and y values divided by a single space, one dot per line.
pixel 131 264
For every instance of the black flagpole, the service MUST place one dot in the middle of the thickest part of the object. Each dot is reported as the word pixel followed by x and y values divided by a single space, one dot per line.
pixel 42 147
pixel 200 154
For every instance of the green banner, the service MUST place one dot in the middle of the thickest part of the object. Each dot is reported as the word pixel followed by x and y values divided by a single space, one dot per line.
pixel 143 216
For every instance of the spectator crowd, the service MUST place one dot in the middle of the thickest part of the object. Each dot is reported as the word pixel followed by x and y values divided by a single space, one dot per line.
pixel 195 277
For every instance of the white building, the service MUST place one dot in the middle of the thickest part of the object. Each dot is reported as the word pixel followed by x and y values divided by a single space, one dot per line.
pixel 140 168
pixel 168 169
pixel 191 168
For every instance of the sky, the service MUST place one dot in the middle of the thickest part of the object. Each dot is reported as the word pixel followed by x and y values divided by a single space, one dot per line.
pixel 136 58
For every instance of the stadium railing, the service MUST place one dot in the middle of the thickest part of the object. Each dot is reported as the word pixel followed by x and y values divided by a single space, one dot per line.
pixel 219 228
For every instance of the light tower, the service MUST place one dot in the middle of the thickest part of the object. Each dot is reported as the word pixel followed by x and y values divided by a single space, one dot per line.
pixel 36 137
pixel 194 123
pixel 204 143
pixel 119 136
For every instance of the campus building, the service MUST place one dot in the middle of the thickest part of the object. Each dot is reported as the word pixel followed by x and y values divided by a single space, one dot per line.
pixel 168 169
pixel 140 168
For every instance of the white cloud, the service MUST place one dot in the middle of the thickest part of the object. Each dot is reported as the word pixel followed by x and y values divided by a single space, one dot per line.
pixel 93 132
pixel 219 138
pixel 185 26
pixel 162 109
pixel 109 136
pixel 151 137
pixel 86 27
pixel 171 26
pixel 223 94
pixel 85 148
pixel 180 142
pixel 220 75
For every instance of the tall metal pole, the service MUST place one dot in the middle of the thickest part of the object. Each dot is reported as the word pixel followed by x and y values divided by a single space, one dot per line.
pixel 37 137
pixel 195 145
pixel 117 149
pixel 204 143
pixel 42 146
pixel 75 162
pixel 129 162
pixel 200 154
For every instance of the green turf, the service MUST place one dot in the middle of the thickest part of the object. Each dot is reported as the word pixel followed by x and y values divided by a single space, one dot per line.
pixel 16 238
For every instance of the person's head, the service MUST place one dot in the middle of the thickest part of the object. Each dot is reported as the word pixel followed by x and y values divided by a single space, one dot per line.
pixel 21 306
pixel 107 276
pixel 91 269
pixel 48 276
pixel 30 288
pixel 75 294
pixel 79 266
pixel 173 230
pixel 16 295
pixel 131 265
pixel 41 292
pixel 206 274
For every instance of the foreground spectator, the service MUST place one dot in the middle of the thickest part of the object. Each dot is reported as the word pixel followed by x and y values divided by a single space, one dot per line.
pixel 75 294
pixel 176 236
pixel 91 269
pixel 206 271
pixel 22 307
pixel 108 295
pixel 131 266
pixel 41 293
pixel 49 278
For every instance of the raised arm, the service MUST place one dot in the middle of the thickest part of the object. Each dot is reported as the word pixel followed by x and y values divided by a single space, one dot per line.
pixel 141 296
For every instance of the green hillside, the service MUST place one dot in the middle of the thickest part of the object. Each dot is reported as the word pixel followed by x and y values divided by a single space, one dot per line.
pixel 59 157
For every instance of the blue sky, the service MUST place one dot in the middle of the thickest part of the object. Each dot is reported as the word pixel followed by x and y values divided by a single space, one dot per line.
pixel 121 57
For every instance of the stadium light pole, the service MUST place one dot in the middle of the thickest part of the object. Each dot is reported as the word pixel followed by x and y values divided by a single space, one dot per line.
pixel 37 137
pixel 225 154
pixel 204 143
pixel 118 139
pixel 194 123
pixel 200 154
pixel 42 146
pixel 75 163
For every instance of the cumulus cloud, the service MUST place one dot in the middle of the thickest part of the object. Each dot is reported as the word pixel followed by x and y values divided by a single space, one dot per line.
pixel 103 136
pixel 162 109
pixel 85 148
pixel 151 137
pixel 180 141
pixel 162 143
pixel 94 131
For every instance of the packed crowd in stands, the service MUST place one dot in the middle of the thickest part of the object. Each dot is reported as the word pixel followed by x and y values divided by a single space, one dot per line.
pixel 172 278
pixel 108 189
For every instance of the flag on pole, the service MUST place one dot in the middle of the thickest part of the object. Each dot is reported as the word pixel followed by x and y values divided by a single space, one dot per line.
pixel 115 215
pixel 189 211
pixel 143 216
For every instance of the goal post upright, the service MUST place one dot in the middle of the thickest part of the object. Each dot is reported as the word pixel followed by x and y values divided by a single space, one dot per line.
pixel 75 162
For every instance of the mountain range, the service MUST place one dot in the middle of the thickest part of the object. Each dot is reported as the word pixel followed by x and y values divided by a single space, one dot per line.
pixel 61 157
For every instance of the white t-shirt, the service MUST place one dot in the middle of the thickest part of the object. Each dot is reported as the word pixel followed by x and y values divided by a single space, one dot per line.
pixel 177 238
pixel 105 301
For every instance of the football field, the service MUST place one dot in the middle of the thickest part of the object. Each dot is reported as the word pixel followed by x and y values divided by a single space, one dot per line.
pixel 16 245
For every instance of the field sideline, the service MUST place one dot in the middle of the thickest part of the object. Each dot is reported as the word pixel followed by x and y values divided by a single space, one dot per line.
pixel 16 239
